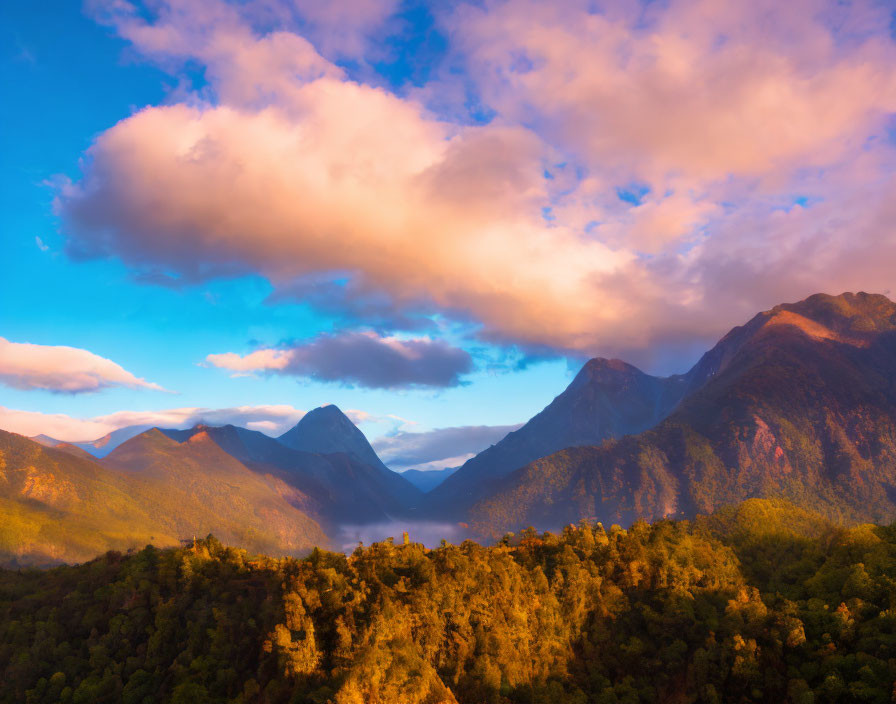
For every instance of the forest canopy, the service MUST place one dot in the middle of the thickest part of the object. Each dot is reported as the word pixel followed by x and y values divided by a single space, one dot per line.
pixel 761 602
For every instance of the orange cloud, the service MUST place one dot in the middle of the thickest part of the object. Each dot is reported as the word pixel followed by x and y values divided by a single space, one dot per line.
pixel 286 167
pixel 393 200
pixel 62 369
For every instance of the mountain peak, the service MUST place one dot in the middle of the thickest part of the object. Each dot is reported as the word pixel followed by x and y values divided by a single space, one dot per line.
pixel 607 399
pixel 601 371
pixel 328 410
pixel 327 430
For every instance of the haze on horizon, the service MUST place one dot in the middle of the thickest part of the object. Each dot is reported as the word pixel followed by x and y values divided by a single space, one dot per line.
pixel 429 214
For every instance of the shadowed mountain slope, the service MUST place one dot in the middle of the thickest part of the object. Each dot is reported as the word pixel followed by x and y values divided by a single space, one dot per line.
pixel 799 403
pixel 427 480
pixel 334 488
pixel 607 399
pixel 327 430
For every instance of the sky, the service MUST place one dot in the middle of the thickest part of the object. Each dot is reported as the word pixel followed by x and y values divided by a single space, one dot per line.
pixel 429 214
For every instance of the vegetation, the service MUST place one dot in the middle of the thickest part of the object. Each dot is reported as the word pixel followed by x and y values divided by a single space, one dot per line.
pixel 56 507
pixel 671 612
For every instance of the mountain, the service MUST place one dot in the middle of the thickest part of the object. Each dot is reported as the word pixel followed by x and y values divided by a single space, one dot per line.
pixel 99 447
pixel 334 488
pixel 57 506
pixel 799 403
pixel 607 399
pixel 427 480
pixel 104 445
pixel 206 490
pixel 59 503
pixel 328 431
pixel 70 449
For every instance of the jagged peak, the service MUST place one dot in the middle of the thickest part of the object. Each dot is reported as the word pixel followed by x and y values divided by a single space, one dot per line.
pixel 152 437
pixel 200 437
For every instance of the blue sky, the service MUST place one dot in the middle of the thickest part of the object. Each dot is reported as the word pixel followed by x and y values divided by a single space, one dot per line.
pixel 428 213
pixel 67 80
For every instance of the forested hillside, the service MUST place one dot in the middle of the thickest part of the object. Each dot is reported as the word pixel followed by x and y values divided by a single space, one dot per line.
pixel 57 507
pixel 763 602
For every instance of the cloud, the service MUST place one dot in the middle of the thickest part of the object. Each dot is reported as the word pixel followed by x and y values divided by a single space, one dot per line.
pixel 696 88
pixel 342 28
pixel 361 358
pixel 280 177
pixel 442 447
pixel 270 419
pixel 62 369
pixel 727 116
pixel 40 244
pixel 358 417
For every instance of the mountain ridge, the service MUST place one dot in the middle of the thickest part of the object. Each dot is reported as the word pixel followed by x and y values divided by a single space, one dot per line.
pixel 56 506
pixel 799 403
pixel 334 487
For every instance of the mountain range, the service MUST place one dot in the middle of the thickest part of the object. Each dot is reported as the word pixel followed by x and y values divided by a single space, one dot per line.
pixel 428 479
pixel 58 507
pixel 59 503
pixel 96 448
pixel 798 403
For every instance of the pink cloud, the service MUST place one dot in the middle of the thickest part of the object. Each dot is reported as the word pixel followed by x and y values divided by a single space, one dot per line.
pixel 393 200
pixel 695 89
pixel 286 167
pixel 271 419
pixel 258 361
pixel 62 369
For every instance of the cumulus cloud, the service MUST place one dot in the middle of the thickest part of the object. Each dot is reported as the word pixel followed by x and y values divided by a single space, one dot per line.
pixel 435 449
pixel 694 88
pixel 750 129
pixel 272 420
pixel 361 358
pixel 62 369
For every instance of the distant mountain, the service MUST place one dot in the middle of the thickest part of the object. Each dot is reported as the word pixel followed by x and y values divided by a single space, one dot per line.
pixel 59 503
pixel 334 488
pixel 327 431
pixel 99 447
pixel 199 488
pixel 57 506
pixel 799 403
pixel 607 399
pixel 427 480
pixel 72 450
